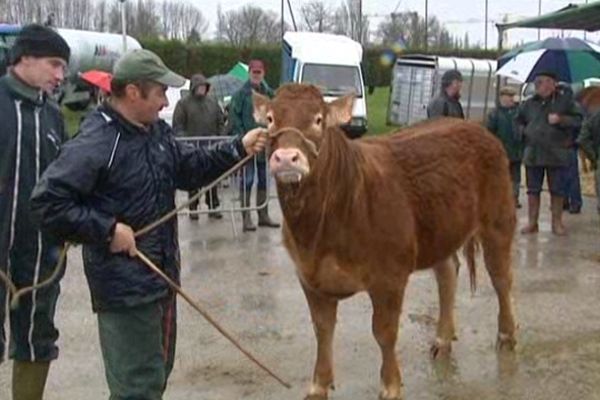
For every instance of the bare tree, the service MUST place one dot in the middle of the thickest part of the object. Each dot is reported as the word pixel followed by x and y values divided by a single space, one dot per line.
pixel 178 20
pixel 248 26
pixel 114 17
pixel 80 14
pixel 101 16
pixel 317 17
pixel 192 19
pixel 348 21
pixel 147 19
pixel 409 29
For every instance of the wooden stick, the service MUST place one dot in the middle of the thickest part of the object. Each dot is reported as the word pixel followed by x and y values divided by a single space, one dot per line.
pixel 211 320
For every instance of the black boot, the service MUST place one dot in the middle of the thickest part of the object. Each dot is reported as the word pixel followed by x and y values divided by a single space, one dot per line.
pixel 193 206
pixel 213 203
pixel 248 226
pixel 263 213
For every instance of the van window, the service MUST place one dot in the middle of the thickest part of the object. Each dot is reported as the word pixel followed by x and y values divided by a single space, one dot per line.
pixel 333 80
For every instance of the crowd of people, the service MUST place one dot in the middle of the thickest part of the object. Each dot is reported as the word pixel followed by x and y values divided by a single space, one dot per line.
pixel 543 133
pixel 117 175
pixel 121 173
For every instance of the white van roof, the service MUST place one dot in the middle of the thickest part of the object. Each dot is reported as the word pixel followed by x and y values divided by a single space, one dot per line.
pixel 323 48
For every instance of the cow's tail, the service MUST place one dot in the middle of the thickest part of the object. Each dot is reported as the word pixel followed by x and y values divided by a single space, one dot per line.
pixel 469 251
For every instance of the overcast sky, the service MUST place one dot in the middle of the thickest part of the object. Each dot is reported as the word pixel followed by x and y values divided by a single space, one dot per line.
pixel 460 16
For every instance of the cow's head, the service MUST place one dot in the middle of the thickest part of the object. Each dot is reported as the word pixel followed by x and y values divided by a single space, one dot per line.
pixel 298 120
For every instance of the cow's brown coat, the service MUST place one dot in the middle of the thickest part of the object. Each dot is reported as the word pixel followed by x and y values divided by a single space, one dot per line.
pixel 370 212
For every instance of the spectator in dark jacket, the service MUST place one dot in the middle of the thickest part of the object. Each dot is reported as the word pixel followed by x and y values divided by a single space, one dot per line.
pixel 31 135
pixel 546 122
pixel 198 114
pixel 573 199
pixel 118 175
pixel 242 120
pixel 589 141
pixel 501 123
pixel 447 103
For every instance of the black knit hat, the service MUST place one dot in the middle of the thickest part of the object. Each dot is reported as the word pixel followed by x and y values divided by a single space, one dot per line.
pixel 39 41
pixel 451 76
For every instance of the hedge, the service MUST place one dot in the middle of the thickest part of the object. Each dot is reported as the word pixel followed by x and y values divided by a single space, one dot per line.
pixel 211 58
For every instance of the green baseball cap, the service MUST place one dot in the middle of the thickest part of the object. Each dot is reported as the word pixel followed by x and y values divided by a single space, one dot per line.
pixel 140 64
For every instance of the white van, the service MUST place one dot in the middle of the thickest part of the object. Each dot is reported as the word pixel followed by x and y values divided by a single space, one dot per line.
pixel 332 63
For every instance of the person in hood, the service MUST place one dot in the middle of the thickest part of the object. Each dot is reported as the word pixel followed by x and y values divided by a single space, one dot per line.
pixel 31 136
pixel 199 114
pixel 447 102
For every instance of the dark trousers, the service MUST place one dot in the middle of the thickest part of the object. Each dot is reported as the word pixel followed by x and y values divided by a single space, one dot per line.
pixel 515 177
pixel 572 181
pixel 33 333
pixel 556 180
pixel 250 169
pixel 211 199
pixel 138 349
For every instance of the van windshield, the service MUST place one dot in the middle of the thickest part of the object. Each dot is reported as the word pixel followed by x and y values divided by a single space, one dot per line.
pixel 333 80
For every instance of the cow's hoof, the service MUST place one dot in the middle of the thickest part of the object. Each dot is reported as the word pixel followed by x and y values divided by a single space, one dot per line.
pixel 318 392
pixel 506 342
pixel 390 395
pixel 316 397
pixel 440 348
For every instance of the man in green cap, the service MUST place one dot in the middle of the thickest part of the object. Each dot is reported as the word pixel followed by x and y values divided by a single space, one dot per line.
pixel 118 175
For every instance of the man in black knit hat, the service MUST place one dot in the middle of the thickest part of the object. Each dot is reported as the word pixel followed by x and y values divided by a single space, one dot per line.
pixel 31 135
pixel 447 102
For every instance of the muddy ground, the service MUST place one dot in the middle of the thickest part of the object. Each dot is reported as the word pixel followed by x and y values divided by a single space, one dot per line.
pixel 248 284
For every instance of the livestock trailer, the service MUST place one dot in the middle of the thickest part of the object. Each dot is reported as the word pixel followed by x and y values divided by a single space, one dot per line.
pixel 417 78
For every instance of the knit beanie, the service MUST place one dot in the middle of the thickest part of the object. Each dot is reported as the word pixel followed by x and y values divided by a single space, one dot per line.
pixel 39 41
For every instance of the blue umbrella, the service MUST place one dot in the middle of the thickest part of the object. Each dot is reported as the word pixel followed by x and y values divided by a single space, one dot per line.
pixel 571 59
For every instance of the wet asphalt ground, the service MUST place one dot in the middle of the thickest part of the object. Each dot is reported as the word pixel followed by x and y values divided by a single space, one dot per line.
pixel 248 283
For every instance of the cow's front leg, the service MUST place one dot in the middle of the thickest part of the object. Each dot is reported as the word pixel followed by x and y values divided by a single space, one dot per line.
pixel 445 274
pixel 387 306
pixel 323 311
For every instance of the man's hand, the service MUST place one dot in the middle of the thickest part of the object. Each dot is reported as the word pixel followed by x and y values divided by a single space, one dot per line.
pixel 553 119
pixel 255 140
pixel 123 240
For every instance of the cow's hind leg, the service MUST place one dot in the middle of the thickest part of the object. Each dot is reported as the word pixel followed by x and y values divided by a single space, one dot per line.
pixel 496 241
pixel 445 274
pixel 323 312
pixel 387 306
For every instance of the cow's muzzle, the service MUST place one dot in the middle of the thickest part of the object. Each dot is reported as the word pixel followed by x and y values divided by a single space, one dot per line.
pixel 289 165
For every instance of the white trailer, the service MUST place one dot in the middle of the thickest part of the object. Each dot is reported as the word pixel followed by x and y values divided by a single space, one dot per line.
pixel 417 78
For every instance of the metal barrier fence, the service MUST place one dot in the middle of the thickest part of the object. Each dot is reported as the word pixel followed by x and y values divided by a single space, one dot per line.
pixel 233 195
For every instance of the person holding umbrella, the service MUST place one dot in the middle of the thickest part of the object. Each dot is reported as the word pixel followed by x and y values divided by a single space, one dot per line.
pixel 545 122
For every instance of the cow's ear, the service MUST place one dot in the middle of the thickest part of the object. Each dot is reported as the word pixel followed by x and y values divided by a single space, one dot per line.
pixel 340 111
pixel 261 104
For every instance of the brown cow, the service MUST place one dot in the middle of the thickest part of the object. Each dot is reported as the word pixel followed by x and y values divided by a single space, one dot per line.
pixel 363 215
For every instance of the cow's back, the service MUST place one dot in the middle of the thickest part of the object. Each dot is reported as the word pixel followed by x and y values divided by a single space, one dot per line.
pixel 453 174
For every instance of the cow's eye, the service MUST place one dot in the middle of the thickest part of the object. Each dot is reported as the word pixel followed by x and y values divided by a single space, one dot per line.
pixel 319 120
pixel 269 119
